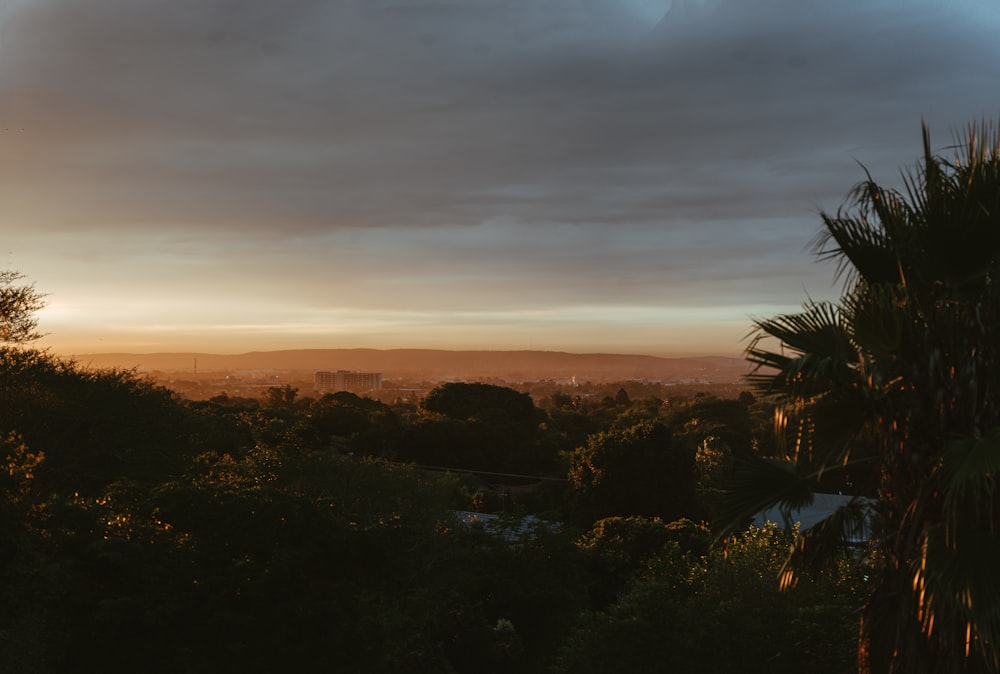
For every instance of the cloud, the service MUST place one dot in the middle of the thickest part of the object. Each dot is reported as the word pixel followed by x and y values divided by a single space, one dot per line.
pixel 543 153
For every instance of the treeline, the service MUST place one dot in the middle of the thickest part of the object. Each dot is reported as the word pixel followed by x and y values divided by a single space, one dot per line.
pixel 143 532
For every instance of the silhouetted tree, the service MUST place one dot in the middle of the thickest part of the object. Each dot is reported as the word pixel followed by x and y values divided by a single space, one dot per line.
pixel 902 375
pixel 464 401
pixel 483 427
pixel 94 426
pixel 18 303
pixel 634 471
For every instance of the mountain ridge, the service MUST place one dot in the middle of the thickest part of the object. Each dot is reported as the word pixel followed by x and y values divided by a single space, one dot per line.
pixel 437 363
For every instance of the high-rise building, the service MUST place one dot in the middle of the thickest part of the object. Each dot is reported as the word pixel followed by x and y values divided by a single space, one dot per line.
pixel 345 380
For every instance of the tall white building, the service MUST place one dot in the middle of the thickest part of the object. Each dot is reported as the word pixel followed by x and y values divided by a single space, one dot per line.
pixel 345 380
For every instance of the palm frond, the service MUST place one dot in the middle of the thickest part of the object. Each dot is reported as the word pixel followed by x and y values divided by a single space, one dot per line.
pixel 860 249
pixel 957 587
pixel 821 353
pixel 959 206
pixel 761 483
pixel 838 421
pixel 817 329
pixel 833 538
pixel 971 468
pixel 895 212
pixel 877 315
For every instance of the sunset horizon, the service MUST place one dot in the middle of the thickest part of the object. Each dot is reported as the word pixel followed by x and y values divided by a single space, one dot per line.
pixel 641 176
pixel 63 339
pixel 69 350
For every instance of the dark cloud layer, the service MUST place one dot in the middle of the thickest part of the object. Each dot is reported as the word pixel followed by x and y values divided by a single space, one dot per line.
pixel 581 149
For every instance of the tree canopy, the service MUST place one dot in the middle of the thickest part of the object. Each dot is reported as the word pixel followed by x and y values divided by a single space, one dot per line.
pixel 465 401
pixel 18 303
pixel 639 470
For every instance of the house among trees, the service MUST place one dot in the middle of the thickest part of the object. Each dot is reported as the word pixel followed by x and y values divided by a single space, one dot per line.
pixel 851 513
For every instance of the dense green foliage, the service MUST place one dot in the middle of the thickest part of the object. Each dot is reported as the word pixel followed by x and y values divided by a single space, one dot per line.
pixel 142 532
pixel 94 427
pixel 638 470
pixel 718 613
pixel 480 427
pixel 130 546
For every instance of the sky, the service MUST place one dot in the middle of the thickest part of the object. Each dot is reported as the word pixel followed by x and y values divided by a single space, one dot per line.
pixel 615 176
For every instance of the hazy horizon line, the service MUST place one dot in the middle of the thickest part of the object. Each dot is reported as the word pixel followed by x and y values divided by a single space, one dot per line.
pixel 676 354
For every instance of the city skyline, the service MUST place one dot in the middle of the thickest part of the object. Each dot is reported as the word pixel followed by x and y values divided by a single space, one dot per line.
pixel 613 176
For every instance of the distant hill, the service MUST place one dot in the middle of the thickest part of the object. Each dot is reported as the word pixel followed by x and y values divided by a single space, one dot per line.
pixel 440 365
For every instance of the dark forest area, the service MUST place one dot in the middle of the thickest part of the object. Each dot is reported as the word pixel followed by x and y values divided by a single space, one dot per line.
pixel 145 532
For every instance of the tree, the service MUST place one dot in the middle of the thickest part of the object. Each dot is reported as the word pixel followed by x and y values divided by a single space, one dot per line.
pixel 93 426
pixel 720 613
pixel 901 377
pixel 480 427
pixel 348 423
pixel 465 402
pixel 18 304
pixel 281 397
pixel 635 471
pixel 726 419
pixel 617 548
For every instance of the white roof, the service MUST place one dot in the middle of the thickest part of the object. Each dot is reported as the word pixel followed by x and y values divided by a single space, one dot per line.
pixel 822 507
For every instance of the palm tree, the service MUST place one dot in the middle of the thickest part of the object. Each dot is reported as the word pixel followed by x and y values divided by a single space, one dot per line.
pixel 901 378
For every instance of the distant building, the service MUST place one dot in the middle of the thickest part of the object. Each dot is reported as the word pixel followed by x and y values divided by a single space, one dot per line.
pixel 345 380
